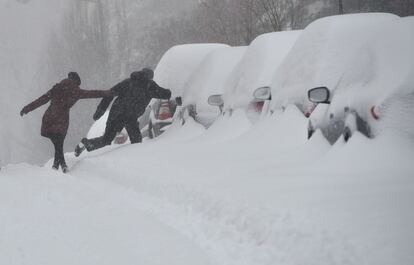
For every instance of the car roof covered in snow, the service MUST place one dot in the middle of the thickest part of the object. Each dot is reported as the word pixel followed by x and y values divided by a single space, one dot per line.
pixel 344 53
pixel 257 66
pixel 211 75
pixel 179 62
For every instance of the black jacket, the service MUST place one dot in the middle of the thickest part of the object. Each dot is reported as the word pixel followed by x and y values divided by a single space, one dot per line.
pixel 133 96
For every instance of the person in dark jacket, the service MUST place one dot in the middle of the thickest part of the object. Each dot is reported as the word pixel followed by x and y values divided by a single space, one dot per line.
pixel 133 96
pixel 55 121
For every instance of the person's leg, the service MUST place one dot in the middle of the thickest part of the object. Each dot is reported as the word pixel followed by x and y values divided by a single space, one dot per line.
pixel 55 142
pixel 134 133
pixel 61 140
pixel 58 140
pixel 99 142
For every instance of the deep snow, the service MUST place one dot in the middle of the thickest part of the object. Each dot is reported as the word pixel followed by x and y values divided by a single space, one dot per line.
pixel 237 192
pixel 240 193
pixel 60 219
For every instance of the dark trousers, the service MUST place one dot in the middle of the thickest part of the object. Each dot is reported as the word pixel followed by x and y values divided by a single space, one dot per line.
pixel 58 140
pixel 112 128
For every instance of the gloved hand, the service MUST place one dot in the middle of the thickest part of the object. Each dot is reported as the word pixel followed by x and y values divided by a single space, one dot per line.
pixel 98 114
pixel 24 111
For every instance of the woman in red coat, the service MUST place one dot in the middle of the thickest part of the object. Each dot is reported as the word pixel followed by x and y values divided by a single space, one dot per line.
pixel 55 121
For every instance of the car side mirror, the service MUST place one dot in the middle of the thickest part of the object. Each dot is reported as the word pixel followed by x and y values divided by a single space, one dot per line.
pixel 319 95
pixel 263 93
pixel 216 100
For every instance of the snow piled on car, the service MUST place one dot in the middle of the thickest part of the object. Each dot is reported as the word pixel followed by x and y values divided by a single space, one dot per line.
pixel 396 111
pixel 361 58
pixel 256 69
pixel 210 78
pixel 179 63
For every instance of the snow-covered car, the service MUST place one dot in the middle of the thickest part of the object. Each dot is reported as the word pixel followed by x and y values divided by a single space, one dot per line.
pixel 209 79
pixel 160 117
pixel 375 92
pixel 333 52
pixel 256 69
pixel 173 71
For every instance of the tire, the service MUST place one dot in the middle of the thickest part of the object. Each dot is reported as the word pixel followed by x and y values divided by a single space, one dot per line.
pixel 347 134
pixel 311 131
pixel 150 132
pixel 156 130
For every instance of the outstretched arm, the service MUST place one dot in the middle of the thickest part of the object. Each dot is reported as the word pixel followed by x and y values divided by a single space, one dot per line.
pixel 156 91
pixel 102 107
pixel 105 94
pixel 95 93
pixel 36 104
pixel 106 101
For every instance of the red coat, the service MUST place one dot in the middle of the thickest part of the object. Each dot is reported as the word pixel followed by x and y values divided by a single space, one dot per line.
pixel 62 97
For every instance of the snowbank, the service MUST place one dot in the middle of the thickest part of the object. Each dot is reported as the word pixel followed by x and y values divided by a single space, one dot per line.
pixel 231 194
pixel 257 67
pixel 59 219
pixel 179 62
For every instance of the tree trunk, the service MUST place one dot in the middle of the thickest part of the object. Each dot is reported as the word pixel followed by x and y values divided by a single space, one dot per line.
pixel 341 7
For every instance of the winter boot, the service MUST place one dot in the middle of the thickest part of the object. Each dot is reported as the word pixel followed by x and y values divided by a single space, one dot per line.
pixel 87 144
pixel 55 165
pixel 65 168
pixel 79 149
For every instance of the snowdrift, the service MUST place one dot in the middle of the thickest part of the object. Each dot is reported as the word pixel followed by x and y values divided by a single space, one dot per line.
pixel 260 195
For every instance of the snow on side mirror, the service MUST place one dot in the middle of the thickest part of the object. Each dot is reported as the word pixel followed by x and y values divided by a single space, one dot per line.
pixel 216 100
pixel 319 95
pixel 262 93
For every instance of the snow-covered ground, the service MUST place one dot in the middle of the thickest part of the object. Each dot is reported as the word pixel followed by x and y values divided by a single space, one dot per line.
pixel 56 219
pixel 235 193
pixel 238 192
